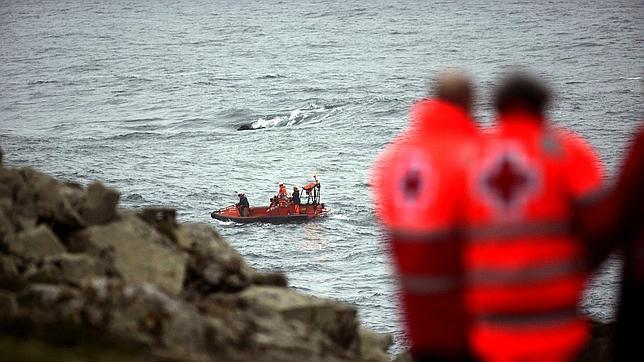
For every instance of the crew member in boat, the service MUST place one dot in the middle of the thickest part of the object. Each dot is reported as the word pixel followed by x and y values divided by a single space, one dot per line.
pixel 282 196
pixel 282 193
pixel 243 206
pixel 295 199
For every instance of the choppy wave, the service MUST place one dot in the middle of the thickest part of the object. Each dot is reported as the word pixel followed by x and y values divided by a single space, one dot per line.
pixel 294 117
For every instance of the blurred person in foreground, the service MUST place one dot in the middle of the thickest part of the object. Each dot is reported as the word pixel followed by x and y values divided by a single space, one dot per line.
pixel 616 221
pixel 417 184
pixel 526 269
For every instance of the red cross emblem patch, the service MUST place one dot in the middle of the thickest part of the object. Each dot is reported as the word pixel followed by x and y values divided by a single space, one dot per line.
pixel 508 180
pixel 415 185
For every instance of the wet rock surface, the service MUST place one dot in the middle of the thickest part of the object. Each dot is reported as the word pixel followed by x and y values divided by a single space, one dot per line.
pixel 77 271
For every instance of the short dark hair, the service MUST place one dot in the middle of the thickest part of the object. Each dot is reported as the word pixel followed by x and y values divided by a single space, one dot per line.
pixel 455 86
pixel 522 90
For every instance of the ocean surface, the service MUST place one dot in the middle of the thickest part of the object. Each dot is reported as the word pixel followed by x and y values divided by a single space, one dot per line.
pixel 147 96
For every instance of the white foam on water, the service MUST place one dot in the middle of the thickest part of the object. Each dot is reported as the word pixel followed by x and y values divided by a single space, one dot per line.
pixel 294 117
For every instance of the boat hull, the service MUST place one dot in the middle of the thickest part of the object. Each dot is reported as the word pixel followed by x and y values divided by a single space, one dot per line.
pixel 274 215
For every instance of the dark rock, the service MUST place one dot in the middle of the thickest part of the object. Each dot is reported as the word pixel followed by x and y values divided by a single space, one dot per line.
pixel 8 306
pixel 338 321
pixel 163 219
pixel 99 206
pixel 46 305
pixel 36 243
pixel 9 273
pixel 74 194
pixel 39 195
pixel 213 265
pixel 72 269
pixel 272 279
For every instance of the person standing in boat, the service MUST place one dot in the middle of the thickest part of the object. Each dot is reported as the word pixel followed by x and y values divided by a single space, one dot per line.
pixel 243 206
pixel 295 199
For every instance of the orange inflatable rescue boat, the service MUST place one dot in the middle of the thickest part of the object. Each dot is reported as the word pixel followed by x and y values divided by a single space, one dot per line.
pixel 281 209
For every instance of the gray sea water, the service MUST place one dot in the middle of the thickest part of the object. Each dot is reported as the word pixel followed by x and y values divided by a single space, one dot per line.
pixel 147 96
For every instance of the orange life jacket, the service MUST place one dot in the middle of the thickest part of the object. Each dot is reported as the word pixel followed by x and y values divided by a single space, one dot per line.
pixel 418 182
pixel 282 191
pixel 525 269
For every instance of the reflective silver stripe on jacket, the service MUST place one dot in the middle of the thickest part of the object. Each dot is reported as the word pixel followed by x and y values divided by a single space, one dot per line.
pixel 429 285
pixel 482 234
pixel 528 274
pixel 434 236
pixel 529 320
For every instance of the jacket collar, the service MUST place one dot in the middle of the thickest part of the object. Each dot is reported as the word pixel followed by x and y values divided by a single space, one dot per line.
pixel 437 116
pixel 520 120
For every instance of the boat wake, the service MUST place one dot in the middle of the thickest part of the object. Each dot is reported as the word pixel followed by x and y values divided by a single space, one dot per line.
pixel 312 112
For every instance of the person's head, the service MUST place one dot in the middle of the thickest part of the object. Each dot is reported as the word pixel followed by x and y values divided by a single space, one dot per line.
pixel 294 188
pixel 281 184
pixel 455 86
pixel 521 91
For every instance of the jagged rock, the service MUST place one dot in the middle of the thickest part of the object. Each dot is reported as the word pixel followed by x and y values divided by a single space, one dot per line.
pixel 338 321
pixel 139 253
pixel 100 204
pixel 38 195
pixel 143 316
pixel 68 268
pixel 162 218
pixel 36 243
pixel 148 316
pixel 274 338
pixel 201 238
pixel 263 334
pixel 74 193
pixel 46 305
pixel 213 265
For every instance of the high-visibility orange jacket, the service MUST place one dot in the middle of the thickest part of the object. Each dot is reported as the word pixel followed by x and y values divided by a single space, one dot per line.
pixel 282 191
pixel 418 183
pixel 525 269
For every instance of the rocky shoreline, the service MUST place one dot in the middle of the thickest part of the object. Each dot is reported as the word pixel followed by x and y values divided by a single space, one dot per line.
pixel 78 273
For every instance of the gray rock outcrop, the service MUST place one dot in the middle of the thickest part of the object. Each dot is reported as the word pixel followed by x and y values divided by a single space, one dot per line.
pixel 137 250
